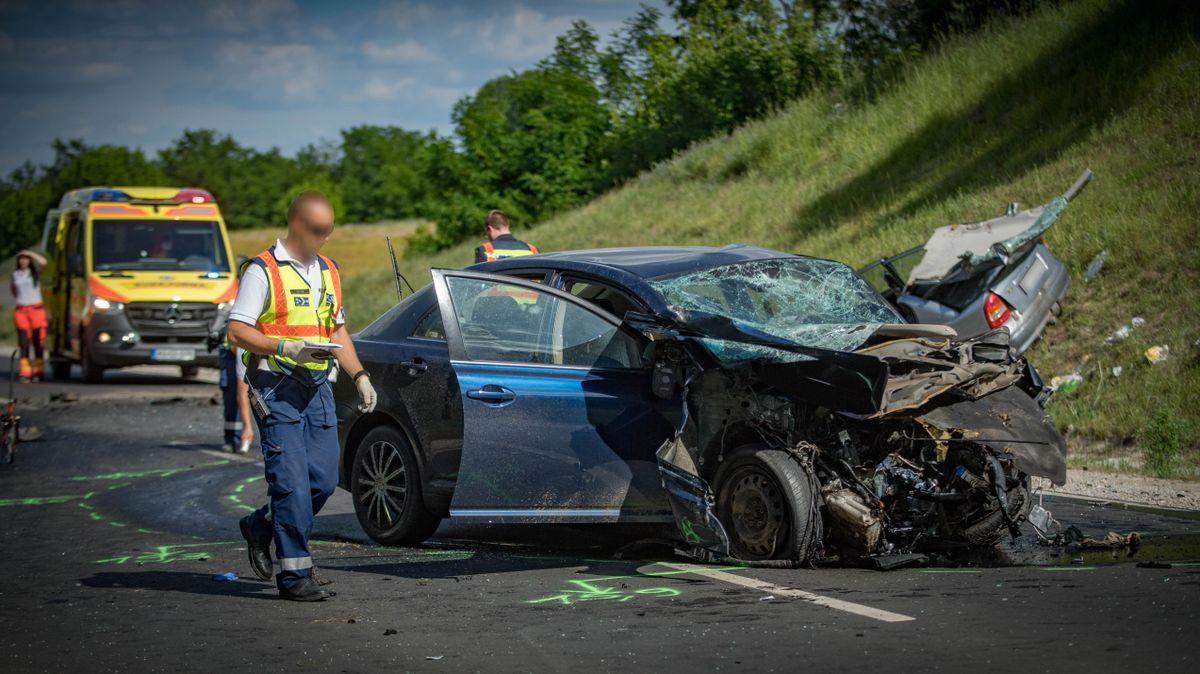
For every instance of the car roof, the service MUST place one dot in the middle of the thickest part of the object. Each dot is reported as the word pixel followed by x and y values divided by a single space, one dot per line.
pixel 645 262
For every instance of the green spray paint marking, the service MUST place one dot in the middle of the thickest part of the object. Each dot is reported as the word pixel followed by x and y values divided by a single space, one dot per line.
pixel 689 533
pixel 166 554
pixel 236 496
pixel 159 472
pixel 43 500
pixel 587 591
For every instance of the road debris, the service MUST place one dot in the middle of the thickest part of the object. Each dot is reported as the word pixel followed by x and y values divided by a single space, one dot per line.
pixel 68 397
pixel 1095 266
pixel 1117 370
pixel 1066 384
pixel 1123 332
pixel 1151 564
pixel 389 632
pixel 226 577
pixel 1156 355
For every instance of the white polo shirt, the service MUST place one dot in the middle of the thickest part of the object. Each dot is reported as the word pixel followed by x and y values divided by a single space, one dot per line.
pixel 253 290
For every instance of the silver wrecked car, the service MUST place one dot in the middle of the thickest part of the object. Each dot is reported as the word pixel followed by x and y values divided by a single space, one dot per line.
pixel 982 276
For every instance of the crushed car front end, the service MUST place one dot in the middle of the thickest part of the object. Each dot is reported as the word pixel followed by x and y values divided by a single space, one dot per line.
pixel 817 425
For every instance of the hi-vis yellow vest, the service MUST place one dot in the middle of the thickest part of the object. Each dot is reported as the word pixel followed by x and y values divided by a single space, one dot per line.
pixel 491 253
pixel 289 313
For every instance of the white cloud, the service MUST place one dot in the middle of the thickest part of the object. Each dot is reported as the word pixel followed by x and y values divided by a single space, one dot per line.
pixel 101 70
pixel 293 71
pixel 407 51
pixel 381 89
pixel 244 16
pixel 444 96
pixel 404 15
pixel 520 35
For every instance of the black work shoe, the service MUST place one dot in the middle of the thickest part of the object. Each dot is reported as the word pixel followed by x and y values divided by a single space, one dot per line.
pixel 321 580
pixel 305 590
pixel 260 554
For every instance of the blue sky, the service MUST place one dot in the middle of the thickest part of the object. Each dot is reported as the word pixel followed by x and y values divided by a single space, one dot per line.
pixel 271 72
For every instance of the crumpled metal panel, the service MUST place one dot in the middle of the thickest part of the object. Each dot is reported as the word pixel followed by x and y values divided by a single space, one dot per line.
pixel 975 242
pixel 1010 422
pixel 806 301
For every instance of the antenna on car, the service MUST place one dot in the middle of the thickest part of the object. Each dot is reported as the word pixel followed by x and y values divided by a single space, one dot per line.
pixel 396 272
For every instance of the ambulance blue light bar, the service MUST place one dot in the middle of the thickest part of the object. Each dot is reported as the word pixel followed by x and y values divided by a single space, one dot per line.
pixel 109 194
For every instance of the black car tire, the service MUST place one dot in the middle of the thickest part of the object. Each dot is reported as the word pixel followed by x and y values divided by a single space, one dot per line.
pixel 988 531
pixel 189 371
pixel 384 464
pixel 92 373
pixel 766 502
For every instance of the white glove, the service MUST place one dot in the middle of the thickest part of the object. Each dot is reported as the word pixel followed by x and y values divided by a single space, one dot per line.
pixel 293 349
pixel 366 393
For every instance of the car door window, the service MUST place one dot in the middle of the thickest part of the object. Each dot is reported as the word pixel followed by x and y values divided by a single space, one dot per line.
pixel 430 326
pixel 516 324
pixel 608 298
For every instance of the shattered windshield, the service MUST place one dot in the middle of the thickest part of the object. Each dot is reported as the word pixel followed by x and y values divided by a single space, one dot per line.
pixel 812 302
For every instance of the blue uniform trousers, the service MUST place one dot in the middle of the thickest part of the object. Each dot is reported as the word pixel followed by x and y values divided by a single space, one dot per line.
pixel 300 450
pixel 228 383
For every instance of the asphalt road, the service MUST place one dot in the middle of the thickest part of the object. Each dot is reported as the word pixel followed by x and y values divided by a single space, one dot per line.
pixel 113 526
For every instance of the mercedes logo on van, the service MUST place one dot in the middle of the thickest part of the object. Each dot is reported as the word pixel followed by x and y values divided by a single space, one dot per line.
pixel 171 314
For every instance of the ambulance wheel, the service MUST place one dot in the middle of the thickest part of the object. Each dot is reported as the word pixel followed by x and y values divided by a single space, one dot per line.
pixel 385 482
pixel 92 373
pixel 60 369
pixel 189 371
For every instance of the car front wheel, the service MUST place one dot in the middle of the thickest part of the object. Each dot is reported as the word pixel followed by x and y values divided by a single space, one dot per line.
pixel 766 501
pixel 385 482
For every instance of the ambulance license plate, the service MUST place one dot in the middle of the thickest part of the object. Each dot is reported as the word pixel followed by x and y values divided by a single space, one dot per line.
pixel 173 355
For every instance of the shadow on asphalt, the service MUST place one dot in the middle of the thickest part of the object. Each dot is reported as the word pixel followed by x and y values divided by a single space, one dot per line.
pixel 180 581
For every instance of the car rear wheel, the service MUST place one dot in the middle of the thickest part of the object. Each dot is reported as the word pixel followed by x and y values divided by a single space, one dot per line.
pixel 767 504
pixel 189 371
pixel 385 482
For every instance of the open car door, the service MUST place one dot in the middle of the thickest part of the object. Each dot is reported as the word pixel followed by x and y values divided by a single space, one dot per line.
pixel 559 421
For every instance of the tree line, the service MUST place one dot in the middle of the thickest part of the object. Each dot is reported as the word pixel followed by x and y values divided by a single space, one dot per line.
pixel 544 139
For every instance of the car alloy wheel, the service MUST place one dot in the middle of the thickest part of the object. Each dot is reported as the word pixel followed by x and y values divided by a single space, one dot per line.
pixel 384 484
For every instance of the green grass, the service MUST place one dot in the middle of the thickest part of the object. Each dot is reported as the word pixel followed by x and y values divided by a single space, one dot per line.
pixel 1013 113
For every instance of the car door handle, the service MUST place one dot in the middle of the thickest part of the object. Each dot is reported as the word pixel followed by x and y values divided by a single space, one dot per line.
pixel 415 366
pixel 492 394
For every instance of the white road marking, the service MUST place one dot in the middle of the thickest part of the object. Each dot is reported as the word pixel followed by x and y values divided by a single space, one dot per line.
pixel 781 591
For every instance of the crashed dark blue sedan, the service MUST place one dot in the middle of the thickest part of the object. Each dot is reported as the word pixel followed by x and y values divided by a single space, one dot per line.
pixel 773 406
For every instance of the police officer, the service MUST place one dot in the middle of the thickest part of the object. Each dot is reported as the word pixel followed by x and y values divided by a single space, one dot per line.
pixel 501 243
pixel 291 295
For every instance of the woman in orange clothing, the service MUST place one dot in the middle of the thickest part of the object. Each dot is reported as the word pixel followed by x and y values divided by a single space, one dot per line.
pixel 29 316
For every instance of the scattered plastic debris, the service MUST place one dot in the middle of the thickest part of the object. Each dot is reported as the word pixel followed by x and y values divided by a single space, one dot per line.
pixel 1116 371
pixel 1121 333
pixel 434 657
pixel 769 597
pixel 1095 266
pixel 1157 354
pixel 389 632
pixel 226 577
pixel 1067 384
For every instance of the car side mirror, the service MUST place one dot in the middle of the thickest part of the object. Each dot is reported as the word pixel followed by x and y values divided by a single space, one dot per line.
pixel 75 265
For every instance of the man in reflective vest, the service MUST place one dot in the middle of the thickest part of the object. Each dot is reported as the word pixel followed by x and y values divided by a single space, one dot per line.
pixel 501 243
pixel 289 300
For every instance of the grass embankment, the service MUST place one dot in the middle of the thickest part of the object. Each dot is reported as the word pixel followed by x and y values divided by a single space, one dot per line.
pixel 1010 114
pixel 356 248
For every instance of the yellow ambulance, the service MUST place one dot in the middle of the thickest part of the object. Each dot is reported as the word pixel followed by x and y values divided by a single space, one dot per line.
pixel 135 275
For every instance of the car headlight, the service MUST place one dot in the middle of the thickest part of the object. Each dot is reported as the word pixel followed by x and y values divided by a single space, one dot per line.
pixel 104 306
